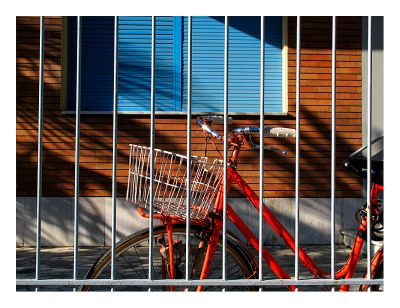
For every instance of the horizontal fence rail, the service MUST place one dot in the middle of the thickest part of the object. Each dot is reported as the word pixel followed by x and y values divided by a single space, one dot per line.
pixel 193 283
pixel 329 279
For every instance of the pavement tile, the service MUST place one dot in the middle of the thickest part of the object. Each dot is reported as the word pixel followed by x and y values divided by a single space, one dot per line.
pixel 57 263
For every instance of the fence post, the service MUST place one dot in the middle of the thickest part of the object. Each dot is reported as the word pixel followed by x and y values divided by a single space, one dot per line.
pixel 77 142
pixel 188 145
pixel 40 154
pixel 226 85
pixel 297 184
pixel 333 149
pixel 260 217
pixel 152 137
pixel 369 133
pixel 115 141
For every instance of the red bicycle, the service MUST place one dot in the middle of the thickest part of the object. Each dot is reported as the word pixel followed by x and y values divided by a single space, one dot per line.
pixel 206 195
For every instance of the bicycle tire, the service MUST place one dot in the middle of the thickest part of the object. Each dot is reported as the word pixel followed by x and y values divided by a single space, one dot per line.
pixel 377 274
pixel 235 253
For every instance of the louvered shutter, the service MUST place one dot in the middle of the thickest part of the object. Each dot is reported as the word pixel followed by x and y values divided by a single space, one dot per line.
pixel 134 63
pixel 244 64
pixel 97 48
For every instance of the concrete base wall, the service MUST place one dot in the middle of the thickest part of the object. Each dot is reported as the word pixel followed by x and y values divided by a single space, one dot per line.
pixel 95 219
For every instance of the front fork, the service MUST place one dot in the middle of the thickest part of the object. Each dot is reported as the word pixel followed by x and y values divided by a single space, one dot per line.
pixel 210 252
pixel 215 233
pixel 169 260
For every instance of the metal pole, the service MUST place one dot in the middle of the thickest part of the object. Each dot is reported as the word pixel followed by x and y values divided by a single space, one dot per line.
pixel 225 148
pixel 115 140
pixel 77 139
pixel 152 137
pixel 296 232
pixel 40 142
pixel 333 149
pixel 189 144
pixel 369 133
pixel 260 217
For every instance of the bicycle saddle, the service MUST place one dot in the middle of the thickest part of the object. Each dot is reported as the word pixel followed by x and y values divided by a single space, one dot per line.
pixel 358 165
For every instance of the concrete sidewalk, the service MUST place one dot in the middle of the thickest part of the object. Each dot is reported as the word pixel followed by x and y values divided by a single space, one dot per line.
pixel 57 263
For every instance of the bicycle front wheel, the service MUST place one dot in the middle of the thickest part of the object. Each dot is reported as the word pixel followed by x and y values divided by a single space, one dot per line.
pixel 132 260
pixel 376 273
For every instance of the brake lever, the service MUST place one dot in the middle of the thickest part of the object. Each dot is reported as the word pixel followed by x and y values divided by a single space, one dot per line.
pixel 270 148
pixel 256 146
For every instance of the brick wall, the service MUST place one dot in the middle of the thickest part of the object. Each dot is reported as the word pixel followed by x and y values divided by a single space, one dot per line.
pixel 96 130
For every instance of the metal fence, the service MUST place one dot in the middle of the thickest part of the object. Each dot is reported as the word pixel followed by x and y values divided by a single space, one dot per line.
pixel 150 281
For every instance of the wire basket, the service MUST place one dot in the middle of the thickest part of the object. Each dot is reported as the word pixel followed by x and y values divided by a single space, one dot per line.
pixel 170 182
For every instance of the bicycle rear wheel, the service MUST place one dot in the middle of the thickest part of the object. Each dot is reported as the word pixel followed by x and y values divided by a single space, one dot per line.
pixel 132 260
pixel 377 274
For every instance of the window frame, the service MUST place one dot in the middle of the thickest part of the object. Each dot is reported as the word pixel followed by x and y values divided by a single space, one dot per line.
pixel 64 85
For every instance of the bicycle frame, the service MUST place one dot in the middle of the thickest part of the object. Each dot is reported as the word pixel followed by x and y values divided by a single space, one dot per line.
pixel 347 271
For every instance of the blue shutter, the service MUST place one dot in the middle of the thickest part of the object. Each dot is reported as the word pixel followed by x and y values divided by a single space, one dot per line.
pixel 97 63
pixel 273 96
pixel 244 64
pixel 207 64
pixel 71 60
pixel 171 64
pixel 134 64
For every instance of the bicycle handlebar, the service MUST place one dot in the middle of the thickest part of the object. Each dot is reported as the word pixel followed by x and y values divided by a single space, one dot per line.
pixel 205 121
pixel 280 132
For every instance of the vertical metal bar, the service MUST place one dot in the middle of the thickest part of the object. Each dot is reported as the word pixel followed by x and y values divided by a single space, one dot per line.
pixel 297 184
pixel 260 217
pixel 369 132
pixel 152 137
pixel 333 149
pixel 40 141
pixel 77 142
pixel 115 140
pixel 225 148
pixel 189 144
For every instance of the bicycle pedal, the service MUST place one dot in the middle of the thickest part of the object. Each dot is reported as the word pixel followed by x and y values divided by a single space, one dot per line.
pixel 179 247
pixel 215 215
pixel 178 272
pixel 163 252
